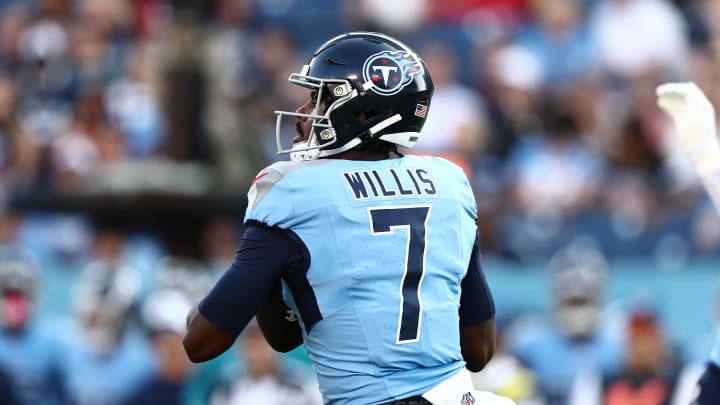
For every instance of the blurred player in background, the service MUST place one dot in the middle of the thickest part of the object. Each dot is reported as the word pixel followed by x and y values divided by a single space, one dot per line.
pixel 695 124
pixel 106 362
pixel 578 339
pixel 180 283
pixel 163 316
pixel 377 252
pixel 29 349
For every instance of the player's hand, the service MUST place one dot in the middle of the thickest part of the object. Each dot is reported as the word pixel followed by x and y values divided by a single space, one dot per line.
pixel 694 118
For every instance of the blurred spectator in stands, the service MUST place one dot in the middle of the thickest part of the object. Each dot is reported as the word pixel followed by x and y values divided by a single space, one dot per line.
pixel 163 315
pixel 10 222
pixel 93 59
pixel 511 77
pixel 261 105
pixel 630 207
pixel 636 146
pixel 267 380
pixel 20 157
pixel 559 38
pixel 552 176
pixel 133 105
pixel 557 155
pixel 13 21
pixel 106 360
pixel 702 21
pixel 274 57
pixel 236 87
pixel 405 16
pixel 29 347
pixel 576 337
pixel 511 12
pixel 44 78
pixel 455 123
pixel 635 36
pixel 590 105
pixel 109 18
pixel 649 374
pixel 183 86
pixel 229 52
pixel 89 142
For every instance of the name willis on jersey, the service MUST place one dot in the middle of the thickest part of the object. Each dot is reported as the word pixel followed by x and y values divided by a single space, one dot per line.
pixel 366 184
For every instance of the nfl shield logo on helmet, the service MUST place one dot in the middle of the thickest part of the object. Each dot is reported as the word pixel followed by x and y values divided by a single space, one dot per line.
pixel 467 399
pixel 390 71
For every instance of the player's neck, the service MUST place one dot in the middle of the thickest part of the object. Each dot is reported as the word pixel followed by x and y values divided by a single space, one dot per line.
pixel 362 155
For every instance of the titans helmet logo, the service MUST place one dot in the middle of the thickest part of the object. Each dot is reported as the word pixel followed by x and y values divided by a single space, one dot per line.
pixel 390 71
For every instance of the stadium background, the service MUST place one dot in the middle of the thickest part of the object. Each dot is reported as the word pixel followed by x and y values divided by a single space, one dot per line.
pixel 130 131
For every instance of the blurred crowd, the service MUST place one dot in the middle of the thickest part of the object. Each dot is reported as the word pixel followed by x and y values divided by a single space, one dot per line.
pixel 548 105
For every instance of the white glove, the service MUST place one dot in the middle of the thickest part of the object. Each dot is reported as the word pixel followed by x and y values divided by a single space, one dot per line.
pixel 694 119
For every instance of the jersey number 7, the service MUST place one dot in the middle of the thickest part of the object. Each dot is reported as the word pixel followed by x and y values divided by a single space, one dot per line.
pixel 414 219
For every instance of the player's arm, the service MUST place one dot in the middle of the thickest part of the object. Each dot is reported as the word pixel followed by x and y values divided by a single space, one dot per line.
pixel 203 340
pixel 244 289
pixel 694 119
pixel 477 315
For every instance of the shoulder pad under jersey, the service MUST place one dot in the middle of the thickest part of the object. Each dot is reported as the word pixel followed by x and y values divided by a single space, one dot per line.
pixel 270 198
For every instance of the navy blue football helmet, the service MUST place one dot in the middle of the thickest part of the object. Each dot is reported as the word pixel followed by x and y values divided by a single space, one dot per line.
pixel 361 72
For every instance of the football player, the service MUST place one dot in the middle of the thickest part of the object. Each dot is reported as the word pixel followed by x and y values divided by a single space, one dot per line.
pixel 29 351
pixel 106 362
pixel 376 252
pixel 694 118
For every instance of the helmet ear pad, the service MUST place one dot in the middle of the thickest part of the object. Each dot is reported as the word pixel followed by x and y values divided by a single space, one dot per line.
pixel 356 117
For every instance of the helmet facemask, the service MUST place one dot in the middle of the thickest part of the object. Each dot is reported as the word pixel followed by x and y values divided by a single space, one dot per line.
pixel 322 133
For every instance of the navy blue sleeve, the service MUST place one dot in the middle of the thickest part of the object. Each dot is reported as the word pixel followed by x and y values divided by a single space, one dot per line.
pixel 264 256
pixel 476 301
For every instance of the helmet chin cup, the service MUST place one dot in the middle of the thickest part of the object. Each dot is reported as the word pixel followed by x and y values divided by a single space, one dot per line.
pixel 304 152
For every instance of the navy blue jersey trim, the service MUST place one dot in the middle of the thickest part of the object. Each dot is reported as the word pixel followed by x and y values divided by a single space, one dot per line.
pixel 476 300
pixel 265 256
pixel 296 278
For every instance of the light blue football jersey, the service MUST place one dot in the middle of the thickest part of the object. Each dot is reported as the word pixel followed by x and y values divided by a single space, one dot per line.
pixel 31 359
pixel 389 244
